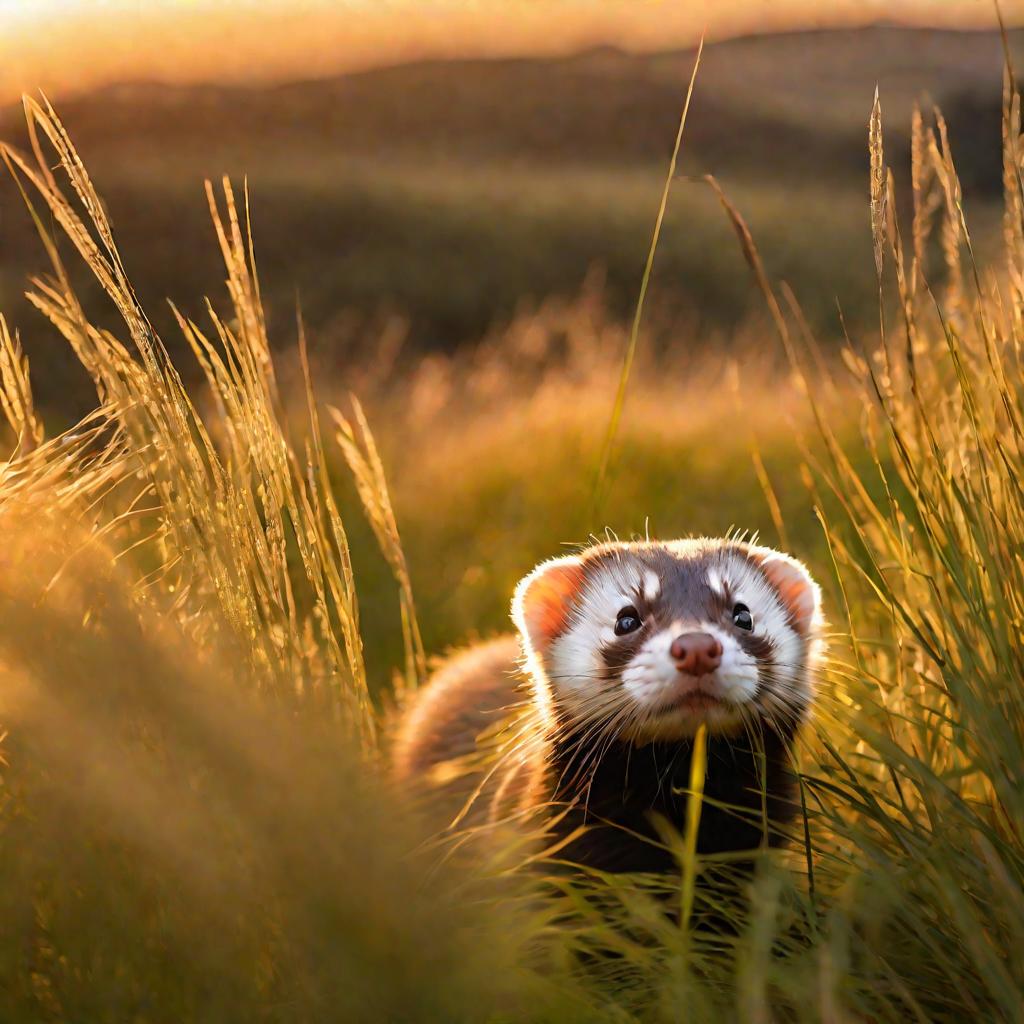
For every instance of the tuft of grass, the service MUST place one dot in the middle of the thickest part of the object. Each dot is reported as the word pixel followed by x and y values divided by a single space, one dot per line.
pixel 177 846
pixel 16 391
pixel 222 515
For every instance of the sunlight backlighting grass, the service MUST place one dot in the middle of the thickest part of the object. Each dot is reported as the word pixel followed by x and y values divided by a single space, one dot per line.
pixel 191 822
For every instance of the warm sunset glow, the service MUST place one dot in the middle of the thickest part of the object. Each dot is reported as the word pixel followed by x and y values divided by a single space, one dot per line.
pixel 61 45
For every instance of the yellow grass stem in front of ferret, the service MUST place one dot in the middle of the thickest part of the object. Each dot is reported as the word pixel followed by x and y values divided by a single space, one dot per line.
pixel 698 770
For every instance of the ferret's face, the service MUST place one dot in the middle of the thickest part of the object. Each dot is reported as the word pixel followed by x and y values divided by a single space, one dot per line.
pixel 648 641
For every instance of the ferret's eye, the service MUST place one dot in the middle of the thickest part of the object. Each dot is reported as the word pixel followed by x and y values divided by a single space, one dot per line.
pixel 741 617
pixel 627 621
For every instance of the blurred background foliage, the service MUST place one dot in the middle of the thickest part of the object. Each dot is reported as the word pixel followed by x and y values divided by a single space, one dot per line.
pixel 456 194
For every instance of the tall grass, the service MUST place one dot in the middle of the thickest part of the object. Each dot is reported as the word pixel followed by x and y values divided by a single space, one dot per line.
pixel 190 819
pixel 634 334
pixel 933 576
pixel 175 847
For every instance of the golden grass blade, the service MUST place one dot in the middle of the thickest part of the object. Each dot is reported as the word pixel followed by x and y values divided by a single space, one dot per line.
pixel 694 803
pixel 925 202
pixel 361 454
pixel 753 258
pixel 16 392
pixel 607 446
pixel 878 192
pixel 327 554
pixel 942 161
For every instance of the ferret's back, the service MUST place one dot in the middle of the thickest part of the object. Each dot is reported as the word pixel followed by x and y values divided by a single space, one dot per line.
pixel 435 748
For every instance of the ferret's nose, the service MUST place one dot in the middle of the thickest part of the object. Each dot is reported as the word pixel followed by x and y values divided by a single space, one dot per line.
pixel 696 654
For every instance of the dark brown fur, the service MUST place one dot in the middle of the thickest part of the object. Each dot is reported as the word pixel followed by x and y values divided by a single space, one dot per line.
pixel 439 748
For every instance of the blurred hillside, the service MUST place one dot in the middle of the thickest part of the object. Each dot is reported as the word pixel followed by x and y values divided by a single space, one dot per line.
pixel 453 192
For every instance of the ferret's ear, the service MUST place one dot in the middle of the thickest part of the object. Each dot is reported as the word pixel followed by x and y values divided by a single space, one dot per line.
pixel 543 600
pixel 799 593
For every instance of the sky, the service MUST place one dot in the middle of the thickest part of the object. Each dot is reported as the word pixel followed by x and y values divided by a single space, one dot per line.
pixel 68 45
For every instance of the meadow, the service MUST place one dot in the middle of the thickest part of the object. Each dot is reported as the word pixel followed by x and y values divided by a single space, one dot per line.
pixel 457 195
pixel 214 588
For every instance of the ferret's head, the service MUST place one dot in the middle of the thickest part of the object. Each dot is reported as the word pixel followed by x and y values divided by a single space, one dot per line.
pixel 646 641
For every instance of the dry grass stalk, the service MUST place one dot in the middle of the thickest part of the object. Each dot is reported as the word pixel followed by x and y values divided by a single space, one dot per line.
pixel 952 238
pixel 878 178
pixel 926 199
pixel 1013 212
pixel 16 392
pixel 634 335
pixel 360 451
pixel 231 496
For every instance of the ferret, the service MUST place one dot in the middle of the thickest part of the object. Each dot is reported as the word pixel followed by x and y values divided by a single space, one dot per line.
pixel 623 651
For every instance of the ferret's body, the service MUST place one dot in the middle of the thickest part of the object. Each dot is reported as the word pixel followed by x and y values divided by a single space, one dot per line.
pixel 468 696
pixel 457 737
pixel 623 653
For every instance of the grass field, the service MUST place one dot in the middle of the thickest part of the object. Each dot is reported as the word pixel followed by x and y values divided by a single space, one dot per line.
pixel 452 194
pixel 201 631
